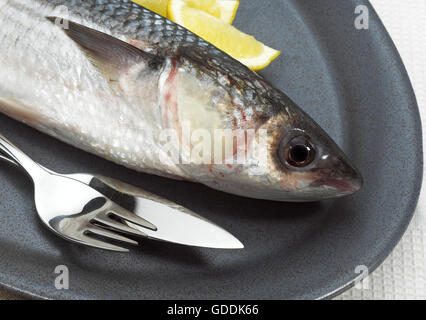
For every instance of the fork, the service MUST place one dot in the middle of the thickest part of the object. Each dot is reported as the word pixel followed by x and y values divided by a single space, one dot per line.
pixel 75 211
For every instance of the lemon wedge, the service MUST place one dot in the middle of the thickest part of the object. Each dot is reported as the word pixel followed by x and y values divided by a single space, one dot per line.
pixel 241 46
pixel 158 6
pixel 224 10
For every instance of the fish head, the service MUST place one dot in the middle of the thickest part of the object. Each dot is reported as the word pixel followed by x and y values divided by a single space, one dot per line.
pixel 304 163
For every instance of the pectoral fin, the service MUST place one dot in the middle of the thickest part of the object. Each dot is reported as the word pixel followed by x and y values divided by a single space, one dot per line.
pixel 109 55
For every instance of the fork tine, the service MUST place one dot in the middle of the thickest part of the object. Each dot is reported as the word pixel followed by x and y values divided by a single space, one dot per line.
pixel 110 234
pixel 87 240
pixel 118 225
pixel 131 217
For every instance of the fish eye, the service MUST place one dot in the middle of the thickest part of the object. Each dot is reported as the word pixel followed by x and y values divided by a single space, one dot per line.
pixel 299 152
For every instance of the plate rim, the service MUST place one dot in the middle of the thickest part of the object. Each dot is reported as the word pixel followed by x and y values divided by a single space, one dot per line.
pixel 418 127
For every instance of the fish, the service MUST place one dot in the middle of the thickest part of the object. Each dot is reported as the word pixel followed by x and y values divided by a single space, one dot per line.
pixel 121 82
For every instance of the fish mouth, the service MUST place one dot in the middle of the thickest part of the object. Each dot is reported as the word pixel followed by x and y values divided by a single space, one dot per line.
pixel 344 182
pixel 343 187
pixel 336 188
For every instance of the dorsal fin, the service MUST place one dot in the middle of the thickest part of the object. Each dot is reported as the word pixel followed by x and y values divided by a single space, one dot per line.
pixel 109 55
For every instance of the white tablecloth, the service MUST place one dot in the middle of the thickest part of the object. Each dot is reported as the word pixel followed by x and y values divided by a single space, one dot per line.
pixel 403 274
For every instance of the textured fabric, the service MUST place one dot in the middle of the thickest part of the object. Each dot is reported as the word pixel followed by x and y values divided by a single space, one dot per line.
pixel 403 274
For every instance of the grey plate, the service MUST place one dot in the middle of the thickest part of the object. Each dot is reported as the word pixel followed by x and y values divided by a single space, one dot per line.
pixel 352 82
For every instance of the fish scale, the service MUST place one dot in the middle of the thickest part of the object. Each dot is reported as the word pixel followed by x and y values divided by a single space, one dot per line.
pixel 120 76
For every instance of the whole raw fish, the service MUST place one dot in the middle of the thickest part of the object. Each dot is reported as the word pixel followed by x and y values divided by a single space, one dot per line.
pixel 119 81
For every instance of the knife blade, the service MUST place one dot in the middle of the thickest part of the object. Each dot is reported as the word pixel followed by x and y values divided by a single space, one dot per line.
pixel 174 223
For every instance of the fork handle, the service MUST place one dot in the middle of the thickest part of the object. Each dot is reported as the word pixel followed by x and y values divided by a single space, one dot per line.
pixel 12 154
pixel 8 160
